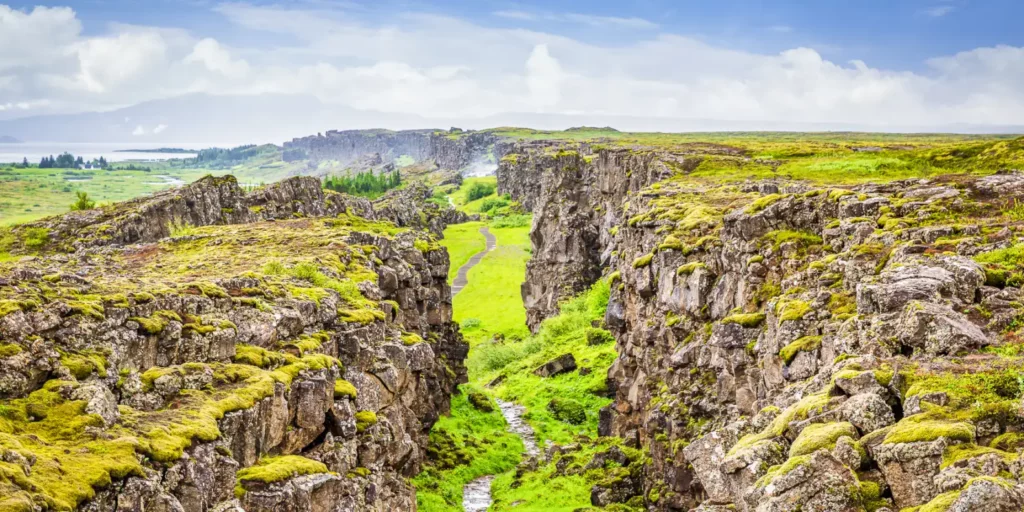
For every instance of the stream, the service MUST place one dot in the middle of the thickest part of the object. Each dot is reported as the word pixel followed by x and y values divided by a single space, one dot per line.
pixel 476 495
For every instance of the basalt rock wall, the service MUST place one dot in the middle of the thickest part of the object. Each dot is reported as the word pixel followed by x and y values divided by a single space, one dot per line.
pixel 790 345
pixel 290 356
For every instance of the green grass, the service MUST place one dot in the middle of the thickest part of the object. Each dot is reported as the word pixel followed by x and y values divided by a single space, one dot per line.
pixel 461 200
pixel 469 443
pixel 462 242
pixel 493 293
pixel 563 333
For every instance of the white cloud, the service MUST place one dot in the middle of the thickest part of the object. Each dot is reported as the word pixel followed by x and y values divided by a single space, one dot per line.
pixel 438 66
pixel 583 19
pixel 159 129
pixel 938 11
pixel 216 58
pixel 139 130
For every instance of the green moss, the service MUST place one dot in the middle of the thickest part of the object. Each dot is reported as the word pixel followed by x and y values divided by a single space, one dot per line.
pixel 277 469
pixel 757 258
pixel 361 316
pixel 805 344
pixel 480 401
pixel 810 404
pixel 747 320
pixel 1008 442
pixel 84 363
pixel 958 452
pixel 344 389
pixel 689 268
pixel 365 419
pixel 820 435
pixel 763 202
pixel 9 349
pixel 410 338
pixel 567 410
pixel 643 261
pixel 783 469
pixel 791 309
pixel 258 356
pixel 801 238
pixel 614 276
pixel 925 427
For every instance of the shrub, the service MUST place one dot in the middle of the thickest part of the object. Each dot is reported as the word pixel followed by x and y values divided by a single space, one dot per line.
pixel 480 401
pixel 471 323
pixel 83 202
pixel 511 221
pixel 569 411
pixel 36 237
pixel 597 336
pixel 492 204
pixel 478 190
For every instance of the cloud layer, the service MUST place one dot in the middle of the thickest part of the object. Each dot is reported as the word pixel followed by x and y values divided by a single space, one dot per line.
pixel 445 67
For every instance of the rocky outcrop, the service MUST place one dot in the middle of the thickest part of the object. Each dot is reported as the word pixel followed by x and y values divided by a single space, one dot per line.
pixel 748 312
pixel 349 145
pixel 453 149
pixel 290 358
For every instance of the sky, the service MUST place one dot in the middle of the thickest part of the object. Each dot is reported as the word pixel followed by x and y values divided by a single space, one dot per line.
pixel 880 63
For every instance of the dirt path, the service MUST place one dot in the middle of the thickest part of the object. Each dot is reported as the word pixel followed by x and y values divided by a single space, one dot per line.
pixel 461 279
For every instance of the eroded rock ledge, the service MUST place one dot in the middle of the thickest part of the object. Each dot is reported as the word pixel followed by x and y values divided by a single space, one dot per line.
pixel 212 349
pixel 790 345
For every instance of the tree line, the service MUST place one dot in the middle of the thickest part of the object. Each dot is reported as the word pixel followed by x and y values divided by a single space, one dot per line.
pixel 364 184
pixel 66 160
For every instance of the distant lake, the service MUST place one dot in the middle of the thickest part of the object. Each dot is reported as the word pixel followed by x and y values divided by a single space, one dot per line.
pixel 35 151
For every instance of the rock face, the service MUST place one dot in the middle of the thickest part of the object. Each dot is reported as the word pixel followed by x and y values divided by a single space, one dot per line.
pixel 289 354
pixel 452 150
pixel 746 311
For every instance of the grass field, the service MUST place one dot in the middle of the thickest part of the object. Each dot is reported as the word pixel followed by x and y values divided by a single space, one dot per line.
pixel 493 295
pixel 29 194
pixel 462 242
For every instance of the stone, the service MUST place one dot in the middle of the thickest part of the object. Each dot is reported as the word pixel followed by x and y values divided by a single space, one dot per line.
pixel 561 364
pixel 868 412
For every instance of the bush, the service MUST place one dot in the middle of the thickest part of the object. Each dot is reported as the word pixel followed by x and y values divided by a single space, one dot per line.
pixel 471 323
pixel 597 336
pixel 480 401
pixel 83 202
pixel 478 191
pixel 511 221
pixel 492 204
pixel 569 411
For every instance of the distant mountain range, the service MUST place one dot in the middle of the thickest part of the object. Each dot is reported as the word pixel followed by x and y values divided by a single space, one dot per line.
pixel 232 120
pixel 7 139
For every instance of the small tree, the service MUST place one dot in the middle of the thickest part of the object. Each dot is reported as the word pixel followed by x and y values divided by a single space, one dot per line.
pixel 83 202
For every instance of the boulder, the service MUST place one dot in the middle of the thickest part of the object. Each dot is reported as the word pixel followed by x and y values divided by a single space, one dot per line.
pixel 561 364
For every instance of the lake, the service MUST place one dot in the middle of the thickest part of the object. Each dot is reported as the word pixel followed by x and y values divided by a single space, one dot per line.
pixel 35 151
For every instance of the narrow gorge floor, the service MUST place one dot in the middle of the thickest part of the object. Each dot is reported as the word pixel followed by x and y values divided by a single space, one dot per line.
pixel 476 496
pixel 462 278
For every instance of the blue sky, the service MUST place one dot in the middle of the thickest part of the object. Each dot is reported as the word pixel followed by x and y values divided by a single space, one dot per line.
pixel 871 63
pixel 898 34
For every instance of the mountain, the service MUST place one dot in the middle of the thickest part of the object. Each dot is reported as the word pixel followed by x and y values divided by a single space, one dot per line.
pixel 201 118
pixel 228 120
pixel 7 139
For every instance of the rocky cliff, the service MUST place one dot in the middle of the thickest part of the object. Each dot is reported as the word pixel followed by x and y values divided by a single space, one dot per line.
pixel 453 150
pixel 211 349
pixel 791 345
